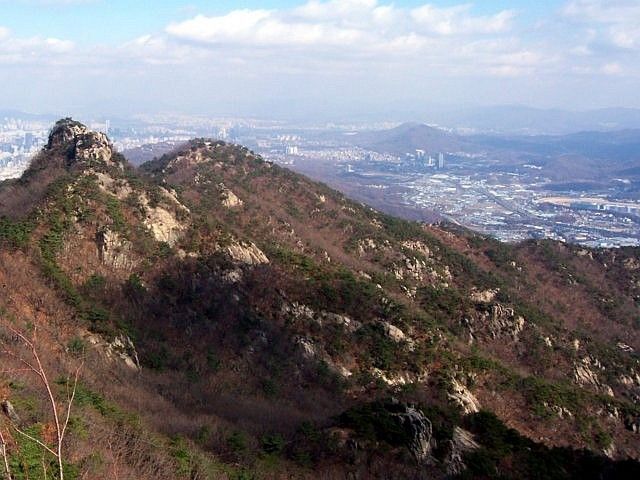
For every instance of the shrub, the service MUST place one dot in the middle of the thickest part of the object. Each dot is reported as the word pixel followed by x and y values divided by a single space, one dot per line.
pixel 273 443
pixel 114 210
pixel 76 346
pixel 15 234
pixel 95 283
pixel 237 442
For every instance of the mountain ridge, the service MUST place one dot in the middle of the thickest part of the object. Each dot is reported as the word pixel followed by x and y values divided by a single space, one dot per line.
pixel 275 320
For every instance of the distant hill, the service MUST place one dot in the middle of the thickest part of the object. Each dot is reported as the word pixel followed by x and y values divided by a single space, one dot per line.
pixel 407 138
pixel 534 121
pixel 587 155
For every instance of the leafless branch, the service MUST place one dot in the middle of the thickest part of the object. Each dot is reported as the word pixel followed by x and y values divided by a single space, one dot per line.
pixel 3 452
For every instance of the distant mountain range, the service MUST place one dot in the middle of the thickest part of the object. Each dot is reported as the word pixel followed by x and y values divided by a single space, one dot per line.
pixel 533 121
pixel 588 155
pixel 505 119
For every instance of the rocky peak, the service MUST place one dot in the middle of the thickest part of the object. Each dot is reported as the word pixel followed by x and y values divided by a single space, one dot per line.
pixel 80 144
pixel 64 132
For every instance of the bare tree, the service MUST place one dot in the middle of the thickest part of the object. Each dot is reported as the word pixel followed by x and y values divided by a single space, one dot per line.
pixel 3 452
pixel 61 410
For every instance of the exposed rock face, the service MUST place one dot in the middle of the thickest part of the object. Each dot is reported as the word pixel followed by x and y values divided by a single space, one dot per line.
pixel 163 225
pixel 413 268
pixel 418 270
pixel 486 296
pixel 463 397
pixel 417 428
pixel 93 146
pixel 461 443
pixel 625 348
pixel 82 144
pixel 366 245
pixel 229 199
pixel 120 188
pixel 498 322
pixel 233 276
pixel 632 380
pixel 394 333
pixel 632 264
pixel 398 379
pixel 584 374
pixel 121 348
pixel 10 412
pixel 64 132
pixel 504 321
pixel 307 348
pixel 113 250
pixel 298 311
pixel 632 423
pixel 310 351
pixel 247 253
pixel 197 154
pixel 417 246
pixel 559 410
pixel 161 221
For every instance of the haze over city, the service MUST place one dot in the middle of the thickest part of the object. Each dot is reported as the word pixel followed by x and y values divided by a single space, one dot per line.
pixel 317 59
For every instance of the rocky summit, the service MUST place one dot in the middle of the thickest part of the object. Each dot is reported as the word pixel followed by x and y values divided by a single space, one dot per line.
pixel 212 315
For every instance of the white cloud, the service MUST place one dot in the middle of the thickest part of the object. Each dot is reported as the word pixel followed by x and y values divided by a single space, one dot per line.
pixel 32 50
pixel 352 30
pixel 339 23
pixel 261 28
pixel 355 47
pixel 458 20
pixel 605 11
pixel 616 22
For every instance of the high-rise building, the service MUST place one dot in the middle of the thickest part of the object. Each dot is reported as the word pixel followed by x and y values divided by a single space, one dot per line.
pixel 441 160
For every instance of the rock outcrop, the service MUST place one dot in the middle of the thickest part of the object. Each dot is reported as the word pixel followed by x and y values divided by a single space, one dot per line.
pixel 114 250
pixel 228 198
pixel 496 321
pixel 416 427
pixel 420 431
pixel 162 219
pixel 164 225
pixel 81 144
pixel 120 348
pixel 584 374
pixel 10 412
pixel 463 397
pixel 461 442
pixel 484 296
pixel 247 253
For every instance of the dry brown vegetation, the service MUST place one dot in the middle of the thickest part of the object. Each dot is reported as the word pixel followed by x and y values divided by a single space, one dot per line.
pixel 226 389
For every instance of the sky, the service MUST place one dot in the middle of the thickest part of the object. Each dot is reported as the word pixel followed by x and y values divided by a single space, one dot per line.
pixel 316 58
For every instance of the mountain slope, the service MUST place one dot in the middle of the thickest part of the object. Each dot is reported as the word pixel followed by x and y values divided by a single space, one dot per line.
pixel 239 319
